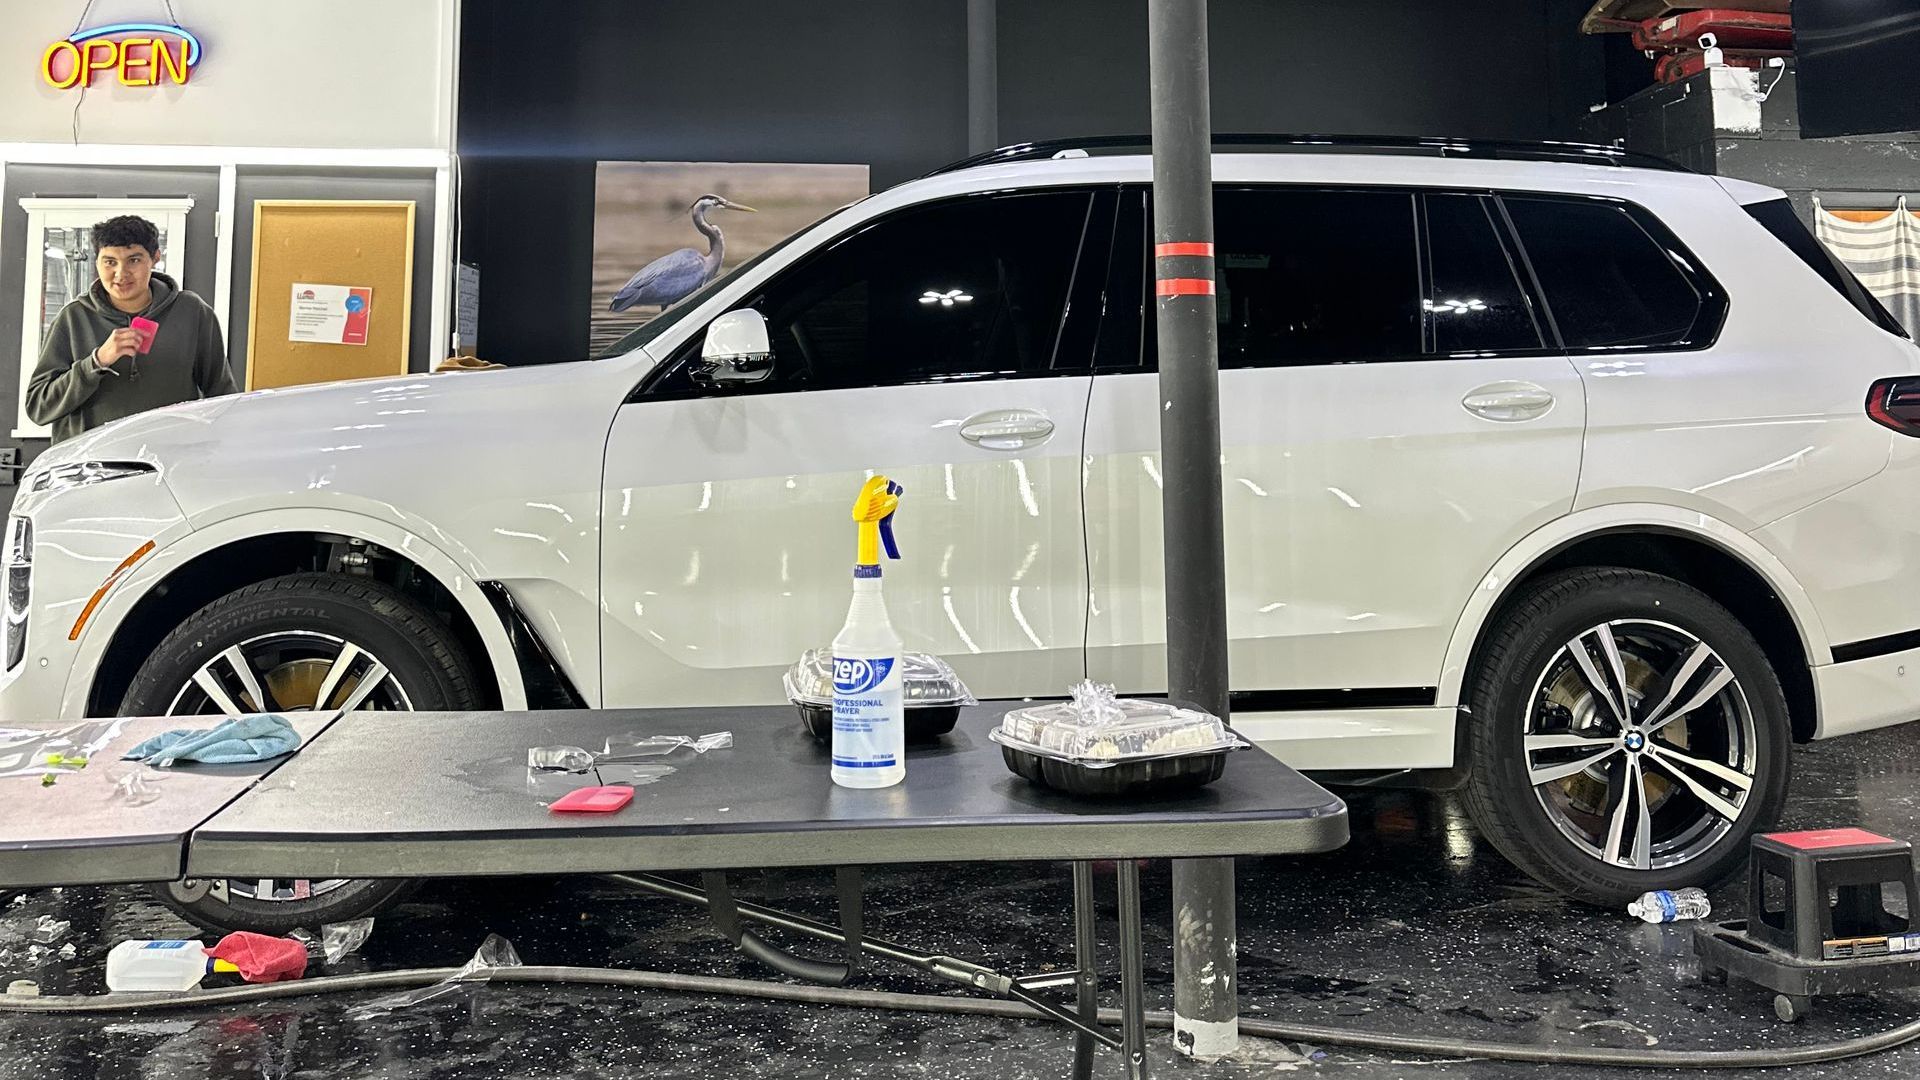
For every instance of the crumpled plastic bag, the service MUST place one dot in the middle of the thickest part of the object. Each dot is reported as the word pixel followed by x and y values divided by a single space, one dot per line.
pixel 137 786
pixel 341 940
pixel 494 953
pixel 46 752
pixel 337 941
pixel 660 745
pixel 576 759
pixel 1096 703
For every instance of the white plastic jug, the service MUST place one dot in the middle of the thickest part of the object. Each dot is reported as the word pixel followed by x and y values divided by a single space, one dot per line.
pixel 156 965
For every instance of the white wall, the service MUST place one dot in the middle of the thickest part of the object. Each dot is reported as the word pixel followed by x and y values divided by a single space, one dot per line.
pixel 338 73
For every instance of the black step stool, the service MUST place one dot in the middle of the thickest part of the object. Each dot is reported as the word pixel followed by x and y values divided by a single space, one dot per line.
pixel 1818 922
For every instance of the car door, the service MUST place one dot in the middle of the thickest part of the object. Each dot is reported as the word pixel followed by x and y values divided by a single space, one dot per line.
pixel 933 346
pixel 1392 420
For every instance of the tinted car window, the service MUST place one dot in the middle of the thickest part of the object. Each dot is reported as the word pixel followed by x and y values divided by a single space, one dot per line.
pixel 1607 282
pixel 1304 276
pixel 1126 303
pixel 970 288
pixel 1307 276
pixel 1475 302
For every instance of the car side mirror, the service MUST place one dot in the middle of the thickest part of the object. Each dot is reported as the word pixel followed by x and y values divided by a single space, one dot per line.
pixel 736 350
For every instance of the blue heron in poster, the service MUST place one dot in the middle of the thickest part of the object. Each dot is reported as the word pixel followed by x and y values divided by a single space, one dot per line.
pixel 673 277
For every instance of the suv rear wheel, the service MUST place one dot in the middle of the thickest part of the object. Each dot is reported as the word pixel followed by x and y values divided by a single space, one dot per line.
pixel 1627 734
pixel 294 644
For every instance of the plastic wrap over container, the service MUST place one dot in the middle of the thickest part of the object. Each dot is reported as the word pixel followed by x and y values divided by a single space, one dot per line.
pixel 932 690
pixel 1099 744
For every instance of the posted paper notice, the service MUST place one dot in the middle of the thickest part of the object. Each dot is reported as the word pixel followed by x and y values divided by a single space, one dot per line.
pixel 330 314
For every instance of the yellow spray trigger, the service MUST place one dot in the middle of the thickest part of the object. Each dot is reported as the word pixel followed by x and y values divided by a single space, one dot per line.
pixel 873 511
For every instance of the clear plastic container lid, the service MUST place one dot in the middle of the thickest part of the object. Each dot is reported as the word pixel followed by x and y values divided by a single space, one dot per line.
pixel 1097 729
pixel 924 680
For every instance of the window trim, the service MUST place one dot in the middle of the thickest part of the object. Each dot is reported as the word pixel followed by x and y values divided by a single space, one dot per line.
pixel 1523 279
pixel 1065 329
pixel 1710 315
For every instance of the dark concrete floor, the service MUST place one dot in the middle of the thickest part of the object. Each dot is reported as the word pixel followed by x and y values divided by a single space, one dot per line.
pixel 1415 927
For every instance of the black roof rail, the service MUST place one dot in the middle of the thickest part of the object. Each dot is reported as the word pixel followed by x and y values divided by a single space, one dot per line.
pixel 1400 145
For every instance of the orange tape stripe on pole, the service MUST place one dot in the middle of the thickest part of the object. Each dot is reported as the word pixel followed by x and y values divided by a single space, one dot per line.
pixel 1162 251
pixel 1184 286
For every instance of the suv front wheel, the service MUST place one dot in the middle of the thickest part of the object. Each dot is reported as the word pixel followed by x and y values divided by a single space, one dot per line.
pixel 304 642
pixel 1627 733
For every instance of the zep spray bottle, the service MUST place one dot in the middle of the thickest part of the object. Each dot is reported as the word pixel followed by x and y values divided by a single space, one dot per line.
pixel 869 710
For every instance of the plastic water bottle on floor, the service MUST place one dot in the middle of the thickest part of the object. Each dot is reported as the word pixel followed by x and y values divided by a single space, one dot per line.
pixel 1664 906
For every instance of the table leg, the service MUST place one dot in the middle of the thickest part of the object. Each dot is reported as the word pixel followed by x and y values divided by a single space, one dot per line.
pixel 1083 957
pixel 1133 1007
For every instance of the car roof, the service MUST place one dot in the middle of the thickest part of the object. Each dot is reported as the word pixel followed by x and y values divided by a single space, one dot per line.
pixel 1399 145
pixel 1333 166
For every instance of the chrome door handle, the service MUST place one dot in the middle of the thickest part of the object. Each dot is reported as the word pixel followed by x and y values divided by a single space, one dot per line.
pixel 1006 429
pixel 1509 402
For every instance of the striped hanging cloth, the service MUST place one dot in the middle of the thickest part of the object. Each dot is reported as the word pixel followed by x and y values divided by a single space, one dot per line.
pixel 1882 248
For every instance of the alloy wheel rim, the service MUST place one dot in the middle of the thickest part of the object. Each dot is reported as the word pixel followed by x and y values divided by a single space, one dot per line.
pixel 289 671
pixel 1640 744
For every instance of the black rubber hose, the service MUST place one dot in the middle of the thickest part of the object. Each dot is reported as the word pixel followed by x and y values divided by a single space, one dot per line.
pixel 931 1003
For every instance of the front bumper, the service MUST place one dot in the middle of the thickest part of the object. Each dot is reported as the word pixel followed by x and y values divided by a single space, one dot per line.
pixel 81 536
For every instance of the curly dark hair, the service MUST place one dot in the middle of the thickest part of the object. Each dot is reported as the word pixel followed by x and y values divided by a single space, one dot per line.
pixel 127 230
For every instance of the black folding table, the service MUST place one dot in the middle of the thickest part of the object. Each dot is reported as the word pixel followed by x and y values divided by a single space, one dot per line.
pixel 376 795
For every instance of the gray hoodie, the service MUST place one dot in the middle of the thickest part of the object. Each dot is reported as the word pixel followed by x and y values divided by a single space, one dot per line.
pixel 72 394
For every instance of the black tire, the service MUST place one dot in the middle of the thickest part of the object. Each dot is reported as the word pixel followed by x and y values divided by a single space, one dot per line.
pixel 1509 693
pixel 427 665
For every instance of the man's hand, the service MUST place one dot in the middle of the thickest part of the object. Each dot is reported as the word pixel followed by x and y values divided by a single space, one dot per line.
pixel 124 342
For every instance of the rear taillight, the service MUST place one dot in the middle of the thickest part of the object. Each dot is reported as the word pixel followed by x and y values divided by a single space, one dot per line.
pixel 1895 403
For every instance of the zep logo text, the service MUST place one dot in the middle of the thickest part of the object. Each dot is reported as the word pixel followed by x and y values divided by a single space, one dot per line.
pixel 852 676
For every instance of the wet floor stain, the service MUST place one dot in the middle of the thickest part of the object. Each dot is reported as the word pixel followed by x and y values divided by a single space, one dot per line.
pixel 1417 926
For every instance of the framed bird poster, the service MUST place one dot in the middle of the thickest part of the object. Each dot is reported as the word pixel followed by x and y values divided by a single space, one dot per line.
pixel 664 230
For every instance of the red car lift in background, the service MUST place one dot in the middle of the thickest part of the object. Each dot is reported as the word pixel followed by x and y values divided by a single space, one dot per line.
pixel 1745 35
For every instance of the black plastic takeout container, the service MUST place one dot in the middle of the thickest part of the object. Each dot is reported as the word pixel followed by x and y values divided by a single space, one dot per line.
pixel 923 721
pixel 1098 744
pixel 933 693
pixel 1153 776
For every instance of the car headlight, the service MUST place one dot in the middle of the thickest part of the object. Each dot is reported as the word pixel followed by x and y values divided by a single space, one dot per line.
pixel 82 473
pixel 19 579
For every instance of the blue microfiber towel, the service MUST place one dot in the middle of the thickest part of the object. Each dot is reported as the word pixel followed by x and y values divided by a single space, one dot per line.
pixel 248 738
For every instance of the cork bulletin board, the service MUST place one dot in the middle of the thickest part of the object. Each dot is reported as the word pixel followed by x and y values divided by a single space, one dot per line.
pixel 334 242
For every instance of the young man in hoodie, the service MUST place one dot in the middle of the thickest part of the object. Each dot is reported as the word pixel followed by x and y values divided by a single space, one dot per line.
pixel 91 368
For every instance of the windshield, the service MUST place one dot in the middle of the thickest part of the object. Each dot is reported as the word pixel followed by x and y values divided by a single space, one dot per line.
pixel 660 323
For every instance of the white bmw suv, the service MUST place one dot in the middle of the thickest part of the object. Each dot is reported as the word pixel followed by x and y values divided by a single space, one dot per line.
pixel 1591 482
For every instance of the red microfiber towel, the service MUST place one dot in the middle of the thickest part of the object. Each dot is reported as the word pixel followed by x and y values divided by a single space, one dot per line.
pixel 262 959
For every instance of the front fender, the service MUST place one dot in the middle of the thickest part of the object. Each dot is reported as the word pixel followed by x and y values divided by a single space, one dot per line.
pixel 459 581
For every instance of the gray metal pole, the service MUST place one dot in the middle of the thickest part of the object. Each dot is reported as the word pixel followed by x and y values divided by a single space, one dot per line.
pixel 983 77
pixel 1206 1010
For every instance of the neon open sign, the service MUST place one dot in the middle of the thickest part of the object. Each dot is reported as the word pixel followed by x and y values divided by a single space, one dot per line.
pixel 143 54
